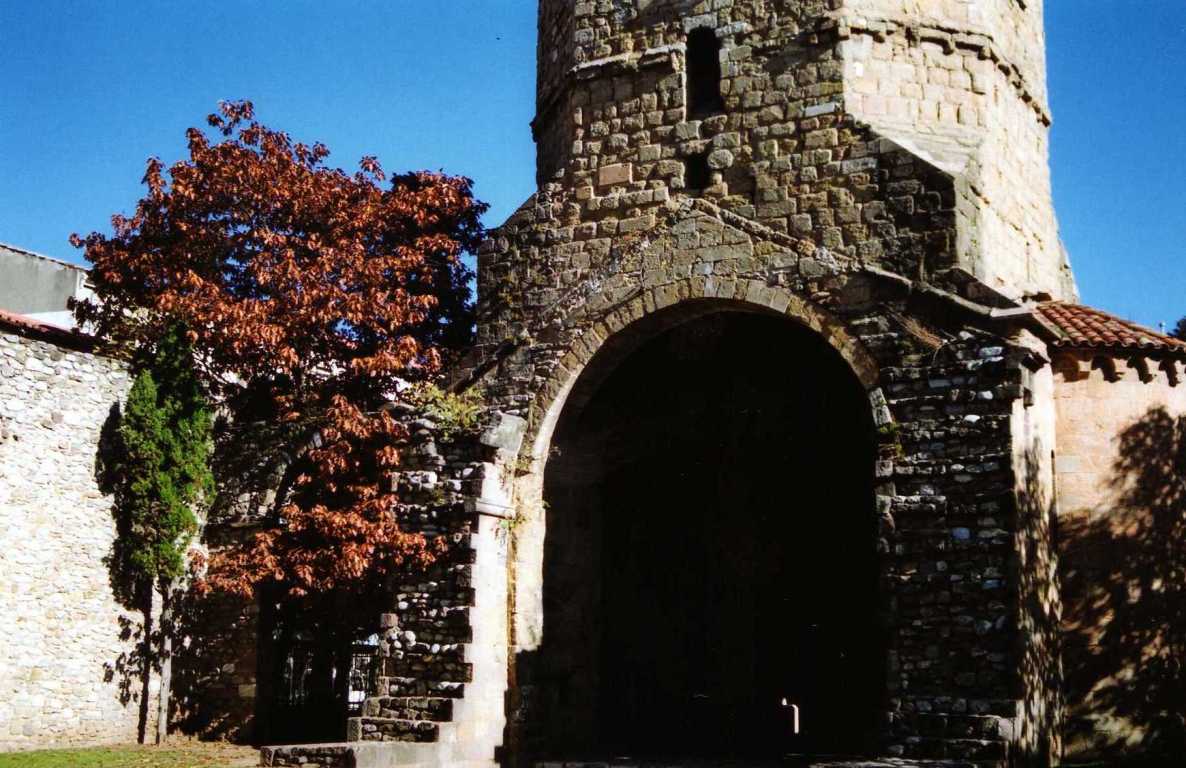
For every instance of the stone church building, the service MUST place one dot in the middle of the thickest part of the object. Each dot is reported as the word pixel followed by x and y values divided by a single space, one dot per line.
pixel 801 442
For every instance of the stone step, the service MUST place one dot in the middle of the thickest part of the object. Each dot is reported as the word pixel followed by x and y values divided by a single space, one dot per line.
pixel 434 708
pixel 372 754
pixel 323 755
pixel 398 729
pixel 626 762
pixel 427 650
pixel 429 668
pixel 399 687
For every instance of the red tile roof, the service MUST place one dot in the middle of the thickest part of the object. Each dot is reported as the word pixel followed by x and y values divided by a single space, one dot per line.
pixel 27 326
pixel 1082 326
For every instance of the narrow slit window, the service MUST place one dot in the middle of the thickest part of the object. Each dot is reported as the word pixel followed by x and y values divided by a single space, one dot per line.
pixel 697 176
pixel 704 73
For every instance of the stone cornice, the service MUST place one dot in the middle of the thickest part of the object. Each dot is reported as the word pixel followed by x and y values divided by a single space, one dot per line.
pixel 950 38
pixel 633 61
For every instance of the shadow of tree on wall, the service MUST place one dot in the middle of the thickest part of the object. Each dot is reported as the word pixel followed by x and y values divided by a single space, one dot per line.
pixel 233 667
pixel 1124 580
pixel 1039 736
pixel 131 671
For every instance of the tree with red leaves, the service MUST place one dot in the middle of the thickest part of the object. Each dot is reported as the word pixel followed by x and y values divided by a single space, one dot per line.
pixel 311 296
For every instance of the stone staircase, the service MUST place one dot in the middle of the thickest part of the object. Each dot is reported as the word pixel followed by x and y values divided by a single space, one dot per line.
pixel 415 711
pixel 415 718
pixel 438 698
pixel 419 699
pixel 411 722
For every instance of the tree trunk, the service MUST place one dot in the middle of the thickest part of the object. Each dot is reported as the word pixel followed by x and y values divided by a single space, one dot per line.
pixel 145 665
pixel 166 662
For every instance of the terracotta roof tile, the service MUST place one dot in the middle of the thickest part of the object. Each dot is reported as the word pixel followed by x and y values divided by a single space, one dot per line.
pixel 1082 326
pixel 27 326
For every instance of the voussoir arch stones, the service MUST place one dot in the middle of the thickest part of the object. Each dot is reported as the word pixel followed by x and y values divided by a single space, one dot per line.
pixel 691 265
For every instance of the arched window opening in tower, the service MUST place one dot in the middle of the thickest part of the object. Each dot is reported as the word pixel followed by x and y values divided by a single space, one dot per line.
pixel 704 73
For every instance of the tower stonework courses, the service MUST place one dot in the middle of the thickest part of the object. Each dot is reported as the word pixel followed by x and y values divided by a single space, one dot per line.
pixel 806 91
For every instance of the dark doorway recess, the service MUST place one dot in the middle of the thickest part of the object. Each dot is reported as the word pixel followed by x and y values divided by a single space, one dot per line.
pixel 316 667
pixel 711 550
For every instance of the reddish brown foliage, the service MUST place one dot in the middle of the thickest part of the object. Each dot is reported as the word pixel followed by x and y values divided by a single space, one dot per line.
pixel 310 294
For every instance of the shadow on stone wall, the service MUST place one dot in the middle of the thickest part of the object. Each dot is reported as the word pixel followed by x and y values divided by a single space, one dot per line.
pixel 1038 742
pixel 1124 581
pixel 215 668
pixel 217 690
pixel 236 676
pixel 131 670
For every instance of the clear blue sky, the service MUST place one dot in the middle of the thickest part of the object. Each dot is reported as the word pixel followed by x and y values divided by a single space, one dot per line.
pixel 90 89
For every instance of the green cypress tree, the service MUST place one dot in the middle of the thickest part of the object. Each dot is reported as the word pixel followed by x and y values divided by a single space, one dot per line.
pixel 161 479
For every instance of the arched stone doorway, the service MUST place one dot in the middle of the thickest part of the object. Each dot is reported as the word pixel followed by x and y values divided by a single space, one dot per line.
pixel 710 547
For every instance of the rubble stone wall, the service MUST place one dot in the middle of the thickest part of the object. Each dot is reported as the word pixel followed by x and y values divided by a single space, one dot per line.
pixel 943 394
pixel 215 668
pixel 951 525
pixel 61 650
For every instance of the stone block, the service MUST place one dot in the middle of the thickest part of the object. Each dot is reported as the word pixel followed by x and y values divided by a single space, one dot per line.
pixel 619 173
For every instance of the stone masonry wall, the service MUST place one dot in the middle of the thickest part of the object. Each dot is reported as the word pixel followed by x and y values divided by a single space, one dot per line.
pixel 1014 26
pixel 943 392
pixel 1039 735
pixel 951 92
pixel 950 515
pixel 215 668
pixel 62 627
pixel 805 85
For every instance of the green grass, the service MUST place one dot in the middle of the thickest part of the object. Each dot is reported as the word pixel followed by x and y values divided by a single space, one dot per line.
pixel 188 756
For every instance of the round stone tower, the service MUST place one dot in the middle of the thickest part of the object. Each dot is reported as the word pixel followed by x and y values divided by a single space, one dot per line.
pixel 959 84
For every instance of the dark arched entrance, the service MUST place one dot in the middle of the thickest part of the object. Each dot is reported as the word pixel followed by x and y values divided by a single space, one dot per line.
pixel 710 550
